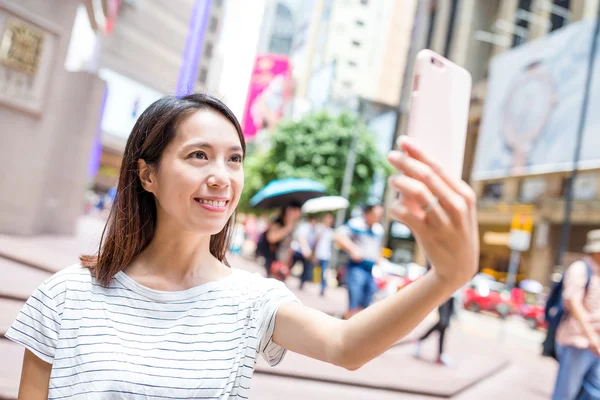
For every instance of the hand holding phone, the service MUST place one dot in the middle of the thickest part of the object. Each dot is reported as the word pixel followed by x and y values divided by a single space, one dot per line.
pixel 438 207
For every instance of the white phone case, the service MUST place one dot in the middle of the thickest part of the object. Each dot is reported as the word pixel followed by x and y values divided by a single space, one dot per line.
pixel 439 110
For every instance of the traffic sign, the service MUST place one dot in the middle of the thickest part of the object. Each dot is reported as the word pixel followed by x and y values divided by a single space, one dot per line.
pixel 522 222
pixel 520 232
pixel 519 240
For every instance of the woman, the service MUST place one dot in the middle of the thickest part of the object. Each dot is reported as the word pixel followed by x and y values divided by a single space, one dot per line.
pixel 275 243
pixel 158 313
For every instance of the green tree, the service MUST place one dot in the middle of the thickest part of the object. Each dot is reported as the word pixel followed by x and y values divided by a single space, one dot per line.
pixel 315 147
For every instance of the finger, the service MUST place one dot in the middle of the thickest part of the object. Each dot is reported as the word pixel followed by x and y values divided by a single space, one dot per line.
pixel 401 213
pixel 452 202
pixel 406 144
pixel 413 190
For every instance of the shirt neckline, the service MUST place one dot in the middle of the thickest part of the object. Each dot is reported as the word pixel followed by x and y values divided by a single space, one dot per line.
pixel 162 295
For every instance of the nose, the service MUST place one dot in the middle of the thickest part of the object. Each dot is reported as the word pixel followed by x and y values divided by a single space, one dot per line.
pixel 218 177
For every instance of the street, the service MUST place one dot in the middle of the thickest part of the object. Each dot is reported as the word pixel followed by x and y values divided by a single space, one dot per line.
pixel 490 358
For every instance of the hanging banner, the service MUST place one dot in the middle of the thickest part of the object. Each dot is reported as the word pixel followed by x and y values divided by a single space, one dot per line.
pixel 270 89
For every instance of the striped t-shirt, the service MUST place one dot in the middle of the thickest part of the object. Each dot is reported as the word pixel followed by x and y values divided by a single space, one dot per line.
pixel 130 341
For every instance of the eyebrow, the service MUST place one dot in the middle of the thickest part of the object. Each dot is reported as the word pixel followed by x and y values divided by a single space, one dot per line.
pixel 206 145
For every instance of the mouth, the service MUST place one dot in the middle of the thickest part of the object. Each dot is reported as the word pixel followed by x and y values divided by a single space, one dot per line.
pixel 214 205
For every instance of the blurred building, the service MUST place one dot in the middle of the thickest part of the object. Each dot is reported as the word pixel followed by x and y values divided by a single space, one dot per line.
pixel 279 22
pixel 369 41
pixel 491 39
pixel 49 119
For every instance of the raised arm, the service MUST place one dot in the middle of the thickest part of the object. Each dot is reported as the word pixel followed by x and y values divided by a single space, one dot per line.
pixel 441 212
pixel 277 232
pixel 342 240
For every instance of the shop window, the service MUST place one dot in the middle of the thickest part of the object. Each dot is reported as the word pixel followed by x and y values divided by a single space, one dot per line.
pixel 492 191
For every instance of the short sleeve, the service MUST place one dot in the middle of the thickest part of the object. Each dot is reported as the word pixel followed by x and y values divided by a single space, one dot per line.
pixel 37 325
pixel 575 281
pixel 302 230
pixel 274 295
pixel 343 230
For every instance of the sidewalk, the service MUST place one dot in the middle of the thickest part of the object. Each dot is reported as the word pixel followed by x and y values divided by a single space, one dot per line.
pixel 26 261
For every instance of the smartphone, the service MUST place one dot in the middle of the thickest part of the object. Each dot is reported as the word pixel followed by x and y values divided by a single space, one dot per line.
pixel 439 110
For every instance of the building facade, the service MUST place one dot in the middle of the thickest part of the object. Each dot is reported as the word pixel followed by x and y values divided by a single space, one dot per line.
pixel 45 111
pixel 478 35
pixel 369 42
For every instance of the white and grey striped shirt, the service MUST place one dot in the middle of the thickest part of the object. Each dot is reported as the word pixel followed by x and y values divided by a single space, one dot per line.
pixel 130 341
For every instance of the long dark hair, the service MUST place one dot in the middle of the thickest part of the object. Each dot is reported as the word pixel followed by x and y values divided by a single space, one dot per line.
pixel 132 218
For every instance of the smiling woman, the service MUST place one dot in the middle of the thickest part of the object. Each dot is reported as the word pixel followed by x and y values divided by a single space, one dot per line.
pixel 175 144
pixel 159 314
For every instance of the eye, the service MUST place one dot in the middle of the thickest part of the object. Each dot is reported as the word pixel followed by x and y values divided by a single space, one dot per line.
pixel 236 158
pixel 200 155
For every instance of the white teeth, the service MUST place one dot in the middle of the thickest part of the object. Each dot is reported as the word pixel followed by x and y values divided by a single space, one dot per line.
pixel 213 203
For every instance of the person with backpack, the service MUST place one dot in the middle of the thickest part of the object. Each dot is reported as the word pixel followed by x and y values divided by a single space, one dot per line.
pixel 578 328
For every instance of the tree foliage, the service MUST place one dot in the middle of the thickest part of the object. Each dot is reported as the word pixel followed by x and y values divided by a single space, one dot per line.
pixel 315 147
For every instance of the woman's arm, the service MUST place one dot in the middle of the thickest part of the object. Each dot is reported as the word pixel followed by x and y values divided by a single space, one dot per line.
pixel 352 343
pixel 575 305
pixel 441 212
pixel 277 232
pixel 347 245
pixel 35 378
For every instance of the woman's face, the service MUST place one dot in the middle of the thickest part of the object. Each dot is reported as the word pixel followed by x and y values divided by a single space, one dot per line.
pixel 200 177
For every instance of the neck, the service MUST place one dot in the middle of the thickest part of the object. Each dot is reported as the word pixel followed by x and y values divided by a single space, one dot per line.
pixel 176 255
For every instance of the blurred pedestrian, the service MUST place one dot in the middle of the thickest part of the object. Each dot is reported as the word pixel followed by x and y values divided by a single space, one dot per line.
pixel 160 287
pixel 445 312
pixel 303 246
pixel 362 239
pixel 276 243
pixel 324 247
pixel 578 335
pixel 238 235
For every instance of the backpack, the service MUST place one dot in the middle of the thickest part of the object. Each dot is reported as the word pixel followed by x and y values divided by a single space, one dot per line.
pixel 263 247
pixel 555 312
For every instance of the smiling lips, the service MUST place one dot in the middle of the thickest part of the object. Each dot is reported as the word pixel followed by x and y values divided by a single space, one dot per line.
pixel 214 205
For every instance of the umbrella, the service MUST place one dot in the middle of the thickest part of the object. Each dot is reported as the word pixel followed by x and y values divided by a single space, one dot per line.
pixel 326 203
pixel 532 286
pixel 282 192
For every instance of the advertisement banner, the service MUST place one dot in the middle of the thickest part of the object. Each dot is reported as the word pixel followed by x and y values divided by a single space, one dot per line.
pixel 270 89
pixel 533 106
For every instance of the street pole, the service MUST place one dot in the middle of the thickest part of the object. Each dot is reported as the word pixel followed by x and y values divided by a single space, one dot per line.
pixel 513 269
pixel 348 176
pixel 566 226
pixel 417 43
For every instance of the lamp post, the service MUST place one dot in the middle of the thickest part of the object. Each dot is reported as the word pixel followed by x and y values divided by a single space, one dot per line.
pixel 566 226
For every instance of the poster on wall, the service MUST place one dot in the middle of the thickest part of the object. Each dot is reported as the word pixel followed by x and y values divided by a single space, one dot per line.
pixel 271 88
pixel 533 106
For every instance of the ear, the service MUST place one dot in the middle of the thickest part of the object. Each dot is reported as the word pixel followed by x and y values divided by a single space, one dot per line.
pixel 146 175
